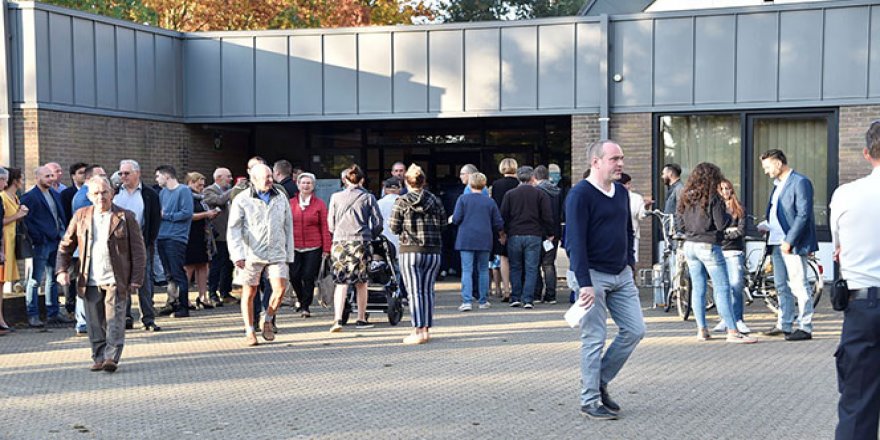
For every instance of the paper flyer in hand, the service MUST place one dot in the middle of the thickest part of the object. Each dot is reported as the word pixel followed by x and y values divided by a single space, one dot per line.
pixel 575 314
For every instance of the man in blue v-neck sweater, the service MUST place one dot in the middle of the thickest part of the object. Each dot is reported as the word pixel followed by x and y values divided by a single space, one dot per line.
pixel 599 241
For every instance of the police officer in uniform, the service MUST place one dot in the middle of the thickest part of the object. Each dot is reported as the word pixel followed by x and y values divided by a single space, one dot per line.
pixel 855 209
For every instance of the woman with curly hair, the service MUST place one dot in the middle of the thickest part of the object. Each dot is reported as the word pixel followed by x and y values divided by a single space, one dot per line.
pixel 705 218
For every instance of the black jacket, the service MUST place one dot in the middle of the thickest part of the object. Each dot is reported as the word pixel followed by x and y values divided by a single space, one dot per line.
pixel 67 201
pixel 706 225
pixel 152 216
pixel 526 211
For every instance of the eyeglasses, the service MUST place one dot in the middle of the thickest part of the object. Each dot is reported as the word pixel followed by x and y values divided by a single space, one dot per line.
pixel 124 173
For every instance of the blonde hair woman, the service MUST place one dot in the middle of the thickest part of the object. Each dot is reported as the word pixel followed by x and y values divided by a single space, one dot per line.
pixel 418 218
pixel 13 211
pixel 200 247
pixel 501 265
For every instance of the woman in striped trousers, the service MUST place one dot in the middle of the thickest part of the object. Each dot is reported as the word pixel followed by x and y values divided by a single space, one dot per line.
pixel 418 219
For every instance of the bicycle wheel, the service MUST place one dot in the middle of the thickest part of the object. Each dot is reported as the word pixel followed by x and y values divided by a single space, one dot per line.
pixel 816 281
pixel 710 295
pixel 667 285
pixel 683 291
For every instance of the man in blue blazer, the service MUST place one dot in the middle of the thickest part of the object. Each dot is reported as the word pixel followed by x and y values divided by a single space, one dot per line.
pixel 792 229
pixel 46 223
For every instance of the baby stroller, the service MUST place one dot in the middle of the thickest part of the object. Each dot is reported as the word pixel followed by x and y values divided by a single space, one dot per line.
pixel 383 291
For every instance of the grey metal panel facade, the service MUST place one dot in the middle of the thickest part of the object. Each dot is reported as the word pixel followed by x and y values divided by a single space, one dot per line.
pixel 481 70
pixel 800 55
pixel 785 56
pixel 874 63
pixel 84 62
pixel 757 57
pixel 202 67
pixel 126 70
pixel 374 73
pixel 714 59
pixel 237 78
pixel 270 70
pixel 60 59
pixel 556 71
pixel 673 61
pixel 146 72
pixel 166 84
pixel 846 52
pixel 340 80
pixel 105 65
pixel 519 68
pixel 410 72
pixel 446 71
pixel 633 59
pixel 306 75
pixel 589 55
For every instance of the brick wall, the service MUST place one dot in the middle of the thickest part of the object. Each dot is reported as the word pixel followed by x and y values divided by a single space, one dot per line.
pixel 854 122
pixel 633 132
pixel 43 136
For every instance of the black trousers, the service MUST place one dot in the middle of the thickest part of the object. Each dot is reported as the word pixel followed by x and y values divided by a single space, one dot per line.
pixel 220 273
pixel 303 273
pixel 858 374
pixel 546 283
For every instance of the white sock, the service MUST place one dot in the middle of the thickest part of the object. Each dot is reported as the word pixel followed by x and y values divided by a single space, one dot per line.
pixel 267 318
pixel 249 329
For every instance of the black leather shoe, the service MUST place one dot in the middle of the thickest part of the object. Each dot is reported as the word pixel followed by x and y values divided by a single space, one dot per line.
pixel 607 402
pixel 776 331
pixel 799 335
pixel 129 323
pixel 152 327
pixel 596 411
pixel 180 314
pixel 168 309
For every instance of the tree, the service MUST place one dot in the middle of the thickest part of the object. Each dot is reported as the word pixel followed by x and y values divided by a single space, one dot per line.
pixel 224 15
pixel 484 10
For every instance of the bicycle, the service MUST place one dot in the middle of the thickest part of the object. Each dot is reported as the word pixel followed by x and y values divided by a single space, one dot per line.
pixel 674 282
pixel 760 282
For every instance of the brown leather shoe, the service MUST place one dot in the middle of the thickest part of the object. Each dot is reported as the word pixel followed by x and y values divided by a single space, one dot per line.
pixel 109 365
pixel 97 366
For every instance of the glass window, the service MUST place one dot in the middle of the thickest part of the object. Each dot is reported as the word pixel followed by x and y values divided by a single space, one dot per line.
pixel 804 139
pixel 690 139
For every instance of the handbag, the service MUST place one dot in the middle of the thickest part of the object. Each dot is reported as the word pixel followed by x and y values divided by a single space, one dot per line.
pixel 24 246
pixel 839 291
pixel 326 284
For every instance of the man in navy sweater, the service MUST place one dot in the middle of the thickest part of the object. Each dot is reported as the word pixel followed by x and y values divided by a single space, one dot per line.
pixel 599 241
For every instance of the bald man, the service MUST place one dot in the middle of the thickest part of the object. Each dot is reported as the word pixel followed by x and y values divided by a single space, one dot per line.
pixel 58 174
pixel 260 234
pixel 46 223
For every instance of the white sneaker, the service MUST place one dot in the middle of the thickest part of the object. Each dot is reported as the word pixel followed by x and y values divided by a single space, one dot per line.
pixel 485 306
pixel 742 327
pixel 720 328
pixel 465 307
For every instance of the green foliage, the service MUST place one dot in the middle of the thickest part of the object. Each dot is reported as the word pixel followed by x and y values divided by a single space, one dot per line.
pixel 131 10
pixel 485 10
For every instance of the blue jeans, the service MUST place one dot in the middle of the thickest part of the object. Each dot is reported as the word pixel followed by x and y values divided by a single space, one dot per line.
pixel 790 277
pixel 707 259
pixel 524 253
pixel 173 256
pixel 735 274
pixel 43 265
pixel 467 267
pixel 617 295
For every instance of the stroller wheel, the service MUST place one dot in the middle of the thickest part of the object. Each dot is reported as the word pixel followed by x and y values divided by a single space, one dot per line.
pixel 395 310
pixel 346 312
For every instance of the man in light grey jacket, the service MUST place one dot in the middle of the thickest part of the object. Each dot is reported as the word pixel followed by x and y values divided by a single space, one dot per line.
pixel 260 238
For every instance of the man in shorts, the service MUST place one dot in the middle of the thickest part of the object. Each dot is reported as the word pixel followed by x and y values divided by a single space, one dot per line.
pixel 260 238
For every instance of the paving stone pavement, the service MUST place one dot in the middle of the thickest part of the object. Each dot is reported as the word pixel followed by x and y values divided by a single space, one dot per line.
pixel 497 373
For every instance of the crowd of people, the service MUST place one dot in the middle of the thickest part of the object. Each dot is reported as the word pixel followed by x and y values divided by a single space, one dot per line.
pixel 102 242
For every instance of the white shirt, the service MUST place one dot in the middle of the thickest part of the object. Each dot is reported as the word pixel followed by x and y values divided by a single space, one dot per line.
pixel 609 194
pixel 132 201
pixel 385 205
pixel 100 269
pixel 855 208
pixel 777 235
pixel 637 209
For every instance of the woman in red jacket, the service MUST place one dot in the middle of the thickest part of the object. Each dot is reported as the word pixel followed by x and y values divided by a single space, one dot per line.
pixel 311 240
